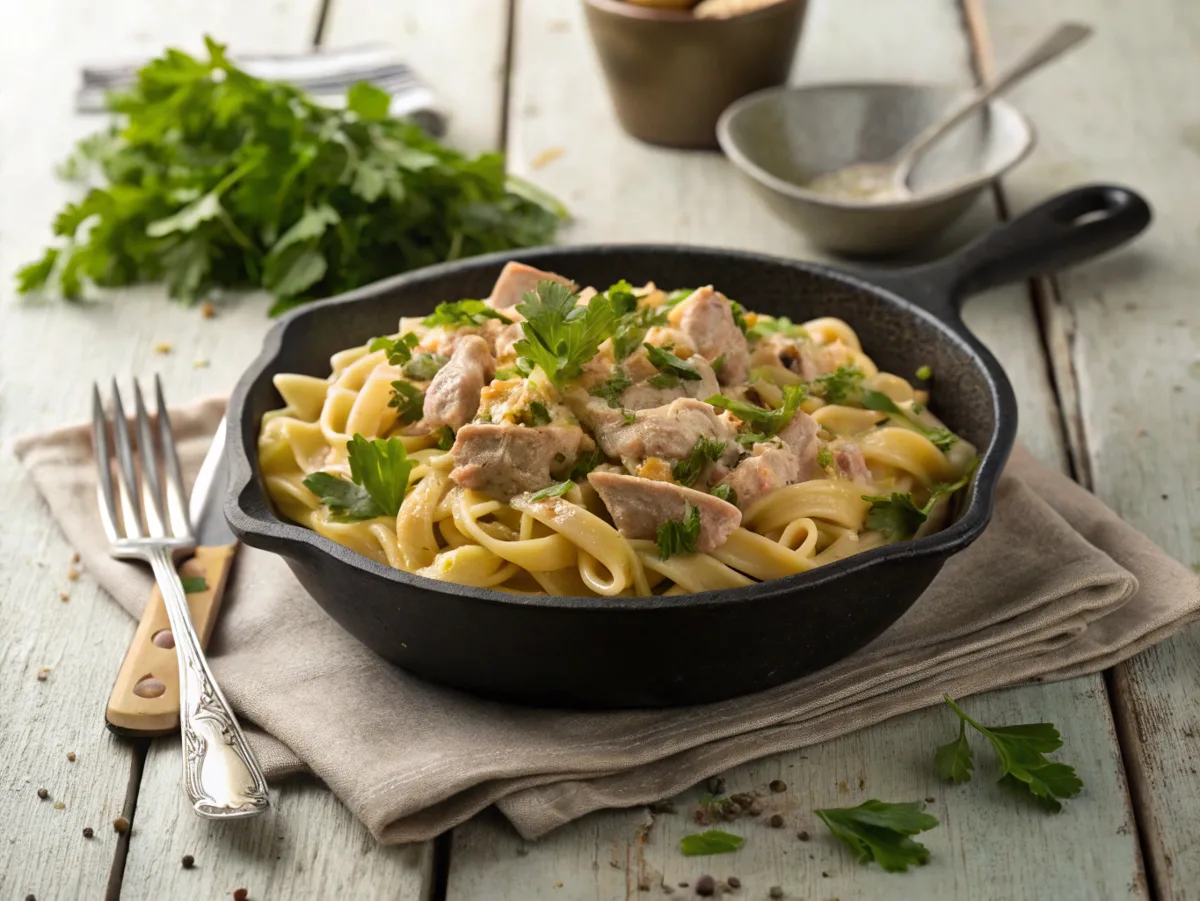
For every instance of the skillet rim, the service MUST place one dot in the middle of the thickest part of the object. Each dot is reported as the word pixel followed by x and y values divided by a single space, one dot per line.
pixel 245 492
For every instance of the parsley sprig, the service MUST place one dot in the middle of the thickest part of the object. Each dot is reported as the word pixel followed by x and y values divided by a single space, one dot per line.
pixel 212 179
pixel 838 386
pixel 942 438
pixel 559 335
pixel 706 450
pixel 409 401
pixel 379 473
pixel 1021 752
pixel 768 422
pixel 462 314
pixel 671 369
pixel 880 831
pixel 898 517
pixel 677 536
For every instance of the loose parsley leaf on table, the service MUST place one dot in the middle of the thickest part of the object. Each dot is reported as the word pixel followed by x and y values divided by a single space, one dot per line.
pixel 559 335
pixel 1021 751
pixel 679 536
pixel 705 450
pixel 408 400
pixel 879 831
pixel 714 841
pixel 212 179
pixel 462 314
pixel 771 421
pixel 558 489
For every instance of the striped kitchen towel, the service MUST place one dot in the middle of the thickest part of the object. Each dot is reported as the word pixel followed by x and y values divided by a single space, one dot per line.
pixel 323 73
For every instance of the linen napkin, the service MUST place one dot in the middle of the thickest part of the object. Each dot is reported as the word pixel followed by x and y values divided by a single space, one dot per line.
pixel 323 73
pixel 1056 587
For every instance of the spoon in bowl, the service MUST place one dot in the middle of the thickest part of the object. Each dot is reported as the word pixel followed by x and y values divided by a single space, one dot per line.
pixel 888 181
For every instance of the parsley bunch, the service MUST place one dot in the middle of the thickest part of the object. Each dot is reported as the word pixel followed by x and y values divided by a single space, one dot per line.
pixel 214 179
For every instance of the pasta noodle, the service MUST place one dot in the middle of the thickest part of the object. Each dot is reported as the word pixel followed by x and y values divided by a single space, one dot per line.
pixel 625 442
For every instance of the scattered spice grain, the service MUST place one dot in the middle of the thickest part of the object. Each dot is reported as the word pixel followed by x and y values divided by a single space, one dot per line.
pixel 775 891
pixel 734 882
pixel 120 825
pixel 43 794
pixel 776 821
pixel 778 785
pixel 706 886
pixel 87 832
pixel 188 861
pixel 71 756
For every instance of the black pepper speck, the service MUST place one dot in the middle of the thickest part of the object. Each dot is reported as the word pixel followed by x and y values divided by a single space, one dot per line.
pixel 188 861
pixel 778 785
pixel 43 794
pixel 776 821
pixel 706 886
pixel 775 891
pixel 87 832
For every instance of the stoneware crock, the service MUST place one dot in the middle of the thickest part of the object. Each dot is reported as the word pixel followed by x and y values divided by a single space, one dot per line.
pixel 688 649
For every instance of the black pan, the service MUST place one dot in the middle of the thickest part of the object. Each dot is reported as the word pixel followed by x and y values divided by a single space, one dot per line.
pixel 661 651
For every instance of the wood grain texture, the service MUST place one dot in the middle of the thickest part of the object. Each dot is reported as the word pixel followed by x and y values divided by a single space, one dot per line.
pixel 456 46
pixel 1127 336
pixel 308 845
pixel 988 846
pixel 49 354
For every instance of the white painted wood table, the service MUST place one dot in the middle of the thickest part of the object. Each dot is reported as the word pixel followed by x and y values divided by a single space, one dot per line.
pixel 1105 359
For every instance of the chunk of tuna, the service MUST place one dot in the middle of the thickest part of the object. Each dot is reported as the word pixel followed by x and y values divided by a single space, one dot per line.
pixel 851 464
pixel 639 506
pixel 788 458
pixel 668 432
pixel 517 278
pixel 506 460
pixel 707 319
pixel 644 396
pixel 452 398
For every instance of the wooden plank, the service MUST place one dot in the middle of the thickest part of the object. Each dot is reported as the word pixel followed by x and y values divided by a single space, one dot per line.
pixel 620 190
pixel 465 66
pixel 1128 337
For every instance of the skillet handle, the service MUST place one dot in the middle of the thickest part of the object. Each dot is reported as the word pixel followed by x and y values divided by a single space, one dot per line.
pixel 1067 229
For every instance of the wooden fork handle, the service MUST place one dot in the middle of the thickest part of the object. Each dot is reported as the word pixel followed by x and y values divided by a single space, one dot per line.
pixel 145 713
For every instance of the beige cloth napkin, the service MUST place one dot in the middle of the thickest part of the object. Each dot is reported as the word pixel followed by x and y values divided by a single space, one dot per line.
pixel 1057 586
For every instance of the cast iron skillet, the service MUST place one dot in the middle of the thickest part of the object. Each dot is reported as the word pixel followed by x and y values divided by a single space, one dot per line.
pixel 661 651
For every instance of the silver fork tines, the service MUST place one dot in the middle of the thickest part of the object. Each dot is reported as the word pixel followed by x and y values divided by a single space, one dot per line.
pixel 146 517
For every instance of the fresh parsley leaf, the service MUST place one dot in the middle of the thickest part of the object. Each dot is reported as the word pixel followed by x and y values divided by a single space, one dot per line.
pixel 209 178
pixel 622 298
pixel 631 329
pixel 382 468
pixel 953 761
pixel 679 536
pixel 679 294
pixel 714 841
pixel 725 492
pixel 462 314
pixel 559 335
pixel 538 413
pixel 771 421
pixel 342 497
pixel 879 831
pixel 840 385
pixel 611 390
pixel 630 417
pixel 718 363
pixel 739 319
pixel 445 439
pixel 408 400
pixel 671 369
pixel 705 450
pixel 896 516
pixel 1021 751
pixel 423 367
pixel 193 584
pixel 585 463
pixel 824 457
pixel 556 490
pixel 942 438
pixel 399 350
pixel 775 325
pixel 924 373
pixel 503 375
pixel 749 439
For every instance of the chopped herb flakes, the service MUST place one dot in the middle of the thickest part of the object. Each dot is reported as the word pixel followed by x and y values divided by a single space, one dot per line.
pixel 556 490
pixel 706 450
pixel 679 536
pixel 462 314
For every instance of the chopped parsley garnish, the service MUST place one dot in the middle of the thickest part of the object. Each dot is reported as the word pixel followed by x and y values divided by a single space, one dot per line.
pixel 679 536
pixel 622 298
pixel 585 463
pixel 461 314
pixel 771 421
pixel 838 386
pixel 399 350
pixel 611 390
pixel 631 329
pixel 899 518
pixel 705 450
pixel 775 325
pixel 714 841
pixel 556 490
pixel 942 438
pixel 379 473
pixel 630 417
pixel 560 336
pixel 445 439
pixel 739 318
pixel 1021 752
pixel 924 373
pixel 749 439
pixel 718 363
pixel 670 368
pixel 824 457
pixel 193 584
pixel 503 375
pixel 678 295
pixel 725 492
pixel 408 400
pixel 423 367
pixel 538 413
pixel 879 831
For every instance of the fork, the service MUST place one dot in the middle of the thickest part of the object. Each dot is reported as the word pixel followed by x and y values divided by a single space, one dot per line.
pixel 146 518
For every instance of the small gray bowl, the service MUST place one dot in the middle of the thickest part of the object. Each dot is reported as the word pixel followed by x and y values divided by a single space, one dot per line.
pixel 784 137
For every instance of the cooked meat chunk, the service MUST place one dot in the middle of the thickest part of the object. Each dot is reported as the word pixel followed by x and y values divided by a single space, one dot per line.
pixel 851 464
pixel 517 278
pixel 801 355
pixel 506 338
pixel 668 432
pixel 788 458
pixel 644 396
pixel 707 319
pixel 452 398
pixel 640 506
pixel 505 460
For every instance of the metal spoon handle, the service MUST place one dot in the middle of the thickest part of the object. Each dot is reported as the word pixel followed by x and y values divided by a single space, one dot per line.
pixel 1054 45
pixel 220 775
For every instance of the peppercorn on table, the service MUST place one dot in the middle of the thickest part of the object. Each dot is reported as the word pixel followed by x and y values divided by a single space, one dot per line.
pixel 1105 360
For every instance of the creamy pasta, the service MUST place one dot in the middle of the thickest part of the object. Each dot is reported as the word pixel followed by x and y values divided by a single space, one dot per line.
pixel 630 441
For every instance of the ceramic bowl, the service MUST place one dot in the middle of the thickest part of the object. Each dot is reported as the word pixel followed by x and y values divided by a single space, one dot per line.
pixel 670 74
pixel 782 138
